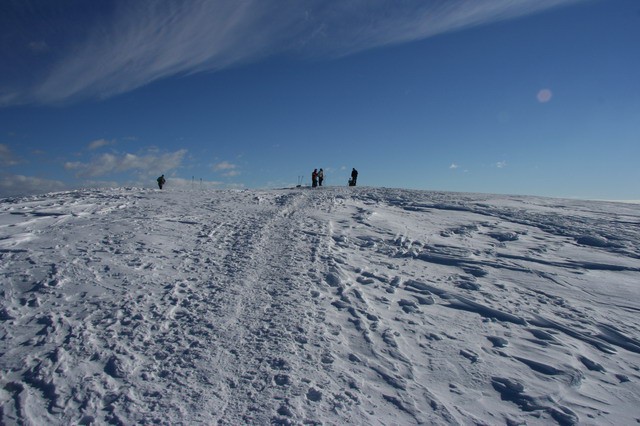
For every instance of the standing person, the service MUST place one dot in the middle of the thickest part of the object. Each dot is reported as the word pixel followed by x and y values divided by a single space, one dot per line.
pixel 354 177
pixel 314 178
pixel 161 181
pixel 320 177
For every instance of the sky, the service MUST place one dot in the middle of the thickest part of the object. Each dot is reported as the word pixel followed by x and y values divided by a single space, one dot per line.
pixel 530 97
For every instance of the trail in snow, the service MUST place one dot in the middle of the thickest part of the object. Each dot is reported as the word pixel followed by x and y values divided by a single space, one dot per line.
pixel 341 305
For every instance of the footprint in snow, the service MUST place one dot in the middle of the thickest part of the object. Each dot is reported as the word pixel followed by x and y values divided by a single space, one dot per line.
pixel 333 280
pixel 314 395
pixel 279 364
pixel 282 379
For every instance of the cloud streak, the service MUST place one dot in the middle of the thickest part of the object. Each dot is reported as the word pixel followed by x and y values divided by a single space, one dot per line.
pixel 142 41
pixel 99 144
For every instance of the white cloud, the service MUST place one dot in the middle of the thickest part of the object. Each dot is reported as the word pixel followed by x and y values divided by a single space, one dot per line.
pixel 7 158
pixel 99 144
pixel 147 164
pixel 501 164
pixel 14 185
pixel 228 169
pixel 453 166
pixel 224 165
pixel 143 41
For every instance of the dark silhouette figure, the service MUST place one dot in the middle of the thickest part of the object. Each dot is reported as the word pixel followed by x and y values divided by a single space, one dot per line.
pixel 320 177
pixel 161 181
pixel 314 178
pixel 354 177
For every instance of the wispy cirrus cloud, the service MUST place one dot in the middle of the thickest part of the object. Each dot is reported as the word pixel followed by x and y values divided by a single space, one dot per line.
pixel 138 42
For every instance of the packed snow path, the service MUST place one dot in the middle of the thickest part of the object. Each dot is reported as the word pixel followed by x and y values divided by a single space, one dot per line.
pixel 329 306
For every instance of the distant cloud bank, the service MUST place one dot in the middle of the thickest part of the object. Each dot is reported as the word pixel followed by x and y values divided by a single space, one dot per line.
pixel 14 185
pixel 103 53
pixel 147 164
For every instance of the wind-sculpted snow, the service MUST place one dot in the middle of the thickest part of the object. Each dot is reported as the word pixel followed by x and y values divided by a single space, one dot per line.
pixel 329 306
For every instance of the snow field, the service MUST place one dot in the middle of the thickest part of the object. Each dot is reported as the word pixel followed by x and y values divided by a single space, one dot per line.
pixel 328 306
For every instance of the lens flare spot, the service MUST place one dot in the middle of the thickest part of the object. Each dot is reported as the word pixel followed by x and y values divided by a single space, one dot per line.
pixel 544 96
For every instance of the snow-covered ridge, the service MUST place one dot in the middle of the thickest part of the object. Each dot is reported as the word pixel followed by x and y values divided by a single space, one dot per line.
pixel 328 306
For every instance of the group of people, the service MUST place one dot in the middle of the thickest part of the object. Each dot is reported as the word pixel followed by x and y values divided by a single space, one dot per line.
pixel 317 177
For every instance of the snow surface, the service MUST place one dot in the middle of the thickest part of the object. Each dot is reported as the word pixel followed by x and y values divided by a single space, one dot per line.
pixel 328 306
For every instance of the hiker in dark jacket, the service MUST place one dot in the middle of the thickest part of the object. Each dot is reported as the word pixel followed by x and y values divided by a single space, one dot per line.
pixel 161 181
pixel 314 178
pixel 354 177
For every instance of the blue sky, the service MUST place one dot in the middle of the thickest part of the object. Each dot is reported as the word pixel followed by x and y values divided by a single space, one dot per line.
pixel 533 97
